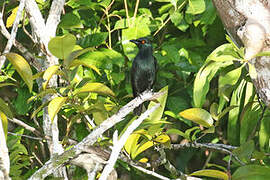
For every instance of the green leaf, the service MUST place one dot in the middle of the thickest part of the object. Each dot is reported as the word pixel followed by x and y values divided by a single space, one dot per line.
pixel 198 115
pixel 5 109
pixel 244 152
pixel 70 20
pixel 178 132
pixel 92 40
pixel 179 21
pixel 219 53
pixel 139 28
pixel 209 15
pixel 211 173
pixel 96 88
pixel 48 74
pixel 203 78
pixel 4 123
pixel 121 24
pixel 7 84
pixel 62 46
pixel 230 78
pixel 55 105
pixel 252 172
pixel 78 62
pixel 157 114
pixel 22 67
pixel 42 94
pixel 195 7
pixel 252 71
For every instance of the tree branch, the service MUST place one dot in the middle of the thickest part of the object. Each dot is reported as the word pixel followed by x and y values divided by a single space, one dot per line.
pixel 118 144
pixel 4 157
pixel 11 40
pixel 58 160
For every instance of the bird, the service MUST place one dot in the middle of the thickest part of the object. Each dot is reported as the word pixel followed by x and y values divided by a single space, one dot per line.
pixel 143 70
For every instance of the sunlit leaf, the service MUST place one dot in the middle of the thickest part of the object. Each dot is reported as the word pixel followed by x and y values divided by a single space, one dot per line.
pixel 96 88
pixel 62 46
pixel 195 6
pixel 157 114
pixel 7 84
pixel 252 71
pixel 11 18
pixel 211 173
pixel 198 115
pixel 142 148
pixel 48 74
pixel 78 62
pixel 55 105
pixel 4 123
pixel 231 77
pixel 22 67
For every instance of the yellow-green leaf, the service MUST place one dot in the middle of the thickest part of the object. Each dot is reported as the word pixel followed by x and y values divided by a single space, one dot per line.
pixel 142 148
pixel 211 173
pixel 96 88
pixel 157 114
pixel 11 18
pixel 55 105
pixel 42 94
pixel 131 143
pixel 22 67
pixel 62 46
pixel 4 123
pixel 252 71
pixel 48 74
pixel 78 62
pixel 198 115
pixel 7 84
pixel 5 109
pixel 163 138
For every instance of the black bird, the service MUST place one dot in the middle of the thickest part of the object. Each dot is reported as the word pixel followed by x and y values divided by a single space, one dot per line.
pixel 143 71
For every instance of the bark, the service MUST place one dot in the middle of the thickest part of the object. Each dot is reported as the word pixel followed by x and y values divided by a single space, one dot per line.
pixel 248 24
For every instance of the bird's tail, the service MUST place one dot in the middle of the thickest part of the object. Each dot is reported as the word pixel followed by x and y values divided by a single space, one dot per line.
pixel 138 110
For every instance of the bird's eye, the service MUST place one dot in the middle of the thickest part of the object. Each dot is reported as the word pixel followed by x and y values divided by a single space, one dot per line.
pixel 143 42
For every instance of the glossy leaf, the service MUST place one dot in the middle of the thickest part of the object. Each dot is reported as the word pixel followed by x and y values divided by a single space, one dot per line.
pixel 198 115
pixel 11 18
pixel 251 172
pixel 231 77
pixel 96 88
pixel 92 40
pixel 211 173
pixel 22 67
pixel 157 114
pixel 55 105
pixel 48 74
pixel 62 46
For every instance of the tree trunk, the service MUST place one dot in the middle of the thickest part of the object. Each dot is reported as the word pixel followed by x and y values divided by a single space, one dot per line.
pixel 248 24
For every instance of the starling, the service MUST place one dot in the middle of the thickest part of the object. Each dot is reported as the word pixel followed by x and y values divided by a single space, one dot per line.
pixel 143 71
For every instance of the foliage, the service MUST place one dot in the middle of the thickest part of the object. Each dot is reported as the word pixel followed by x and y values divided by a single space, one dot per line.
pixel 208 96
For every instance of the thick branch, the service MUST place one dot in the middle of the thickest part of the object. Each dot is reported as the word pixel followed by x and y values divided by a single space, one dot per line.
pixel 118 144
pixel 58 160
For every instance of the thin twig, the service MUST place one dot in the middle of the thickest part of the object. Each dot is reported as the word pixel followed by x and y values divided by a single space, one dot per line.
pixel 136 9
pixel 89 140
pixel 208 146
pixel 22 135
pixel 11 40
pixel 126 8
pixel 26 126
pixel 118 144
pixel 169 18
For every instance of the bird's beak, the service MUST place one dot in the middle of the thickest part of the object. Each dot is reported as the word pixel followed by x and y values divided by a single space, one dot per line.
pixel 135 41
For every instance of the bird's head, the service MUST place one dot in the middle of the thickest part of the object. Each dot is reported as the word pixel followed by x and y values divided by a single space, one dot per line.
pixel 142 42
